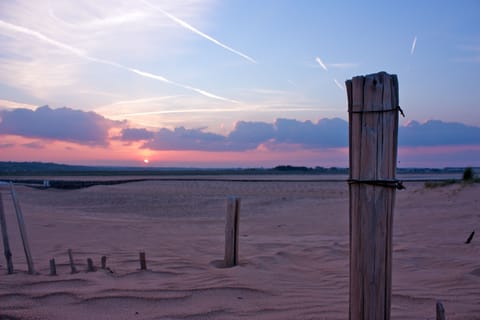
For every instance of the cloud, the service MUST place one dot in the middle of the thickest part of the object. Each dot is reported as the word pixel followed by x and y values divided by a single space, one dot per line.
pixel 438 133
pixel 200 33
pixel 249 135
pixel 186 139
pixel 63 124
pixel 11 28
pixel 323 134
pixel 135 134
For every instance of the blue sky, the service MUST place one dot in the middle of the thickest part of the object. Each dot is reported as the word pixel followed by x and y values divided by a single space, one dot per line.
pixel 208 66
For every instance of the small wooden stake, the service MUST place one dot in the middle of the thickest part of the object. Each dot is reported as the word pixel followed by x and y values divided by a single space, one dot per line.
pixel 6 244
pixel 72 263
pixel 470 237
pixel 104 262
pixel 23 231
pixel 440 311
pixel 53 268
pixel 143 261
pixel 90 267
pixel 231 231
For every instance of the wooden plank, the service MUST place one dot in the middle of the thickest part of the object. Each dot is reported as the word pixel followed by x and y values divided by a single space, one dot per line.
pixel 23 230
pixel 373 126
pixel 231 231
pixel 6 243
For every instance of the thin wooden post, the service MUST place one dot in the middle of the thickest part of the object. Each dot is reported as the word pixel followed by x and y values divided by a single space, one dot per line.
pixel 440 311
pixel 23 230
pixel 143 261
pixel 231 231
pixel 103 262
pixel 373 120
pixel 53 267
pixel 90 267
pixel 6 243
pixel 72 262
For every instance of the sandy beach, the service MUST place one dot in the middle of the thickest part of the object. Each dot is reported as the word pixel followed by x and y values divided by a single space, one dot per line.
pixel 294 252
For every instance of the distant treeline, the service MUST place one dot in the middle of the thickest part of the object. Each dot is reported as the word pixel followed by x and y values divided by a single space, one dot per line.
pixel 10 168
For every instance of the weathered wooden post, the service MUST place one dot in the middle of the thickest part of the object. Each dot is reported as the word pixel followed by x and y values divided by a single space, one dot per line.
pixel 373 120
pixel 103 262
pixel 72 262
pixel 143 261
pixel 90 266
pixel 440 311
pixel 6 243
pixel 23 230
pixel 53 267
pixel 231 231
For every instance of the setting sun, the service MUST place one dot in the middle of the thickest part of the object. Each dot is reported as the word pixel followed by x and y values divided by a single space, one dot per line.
pixel 146 161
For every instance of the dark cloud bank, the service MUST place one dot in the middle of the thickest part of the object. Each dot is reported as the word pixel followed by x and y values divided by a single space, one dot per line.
pixel 89 128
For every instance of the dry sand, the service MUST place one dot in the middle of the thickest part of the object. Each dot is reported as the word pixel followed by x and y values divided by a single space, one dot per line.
pixel 293 252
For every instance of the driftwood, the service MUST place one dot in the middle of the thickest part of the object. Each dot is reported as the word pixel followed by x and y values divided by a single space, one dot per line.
pixel 6 243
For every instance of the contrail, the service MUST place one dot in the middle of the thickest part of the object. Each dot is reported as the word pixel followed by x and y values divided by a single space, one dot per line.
pixel 200 33
pixel 82 54
pixel 339 84
pixel 320 62
pixel 414 44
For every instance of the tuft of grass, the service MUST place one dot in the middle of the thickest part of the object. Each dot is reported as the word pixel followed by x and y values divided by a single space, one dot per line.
pixel 468 175
pixel 436 184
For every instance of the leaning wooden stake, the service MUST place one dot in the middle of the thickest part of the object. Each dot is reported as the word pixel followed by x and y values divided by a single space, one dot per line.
pixel 6 244
pixel 23 231
pixel 231 231
pixel 440 311
pixel 72 262
pixel 373 119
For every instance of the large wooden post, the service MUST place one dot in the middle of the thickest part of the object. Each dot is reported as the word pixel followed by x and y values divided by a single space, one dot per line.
pixel 231 231
pixel 373 120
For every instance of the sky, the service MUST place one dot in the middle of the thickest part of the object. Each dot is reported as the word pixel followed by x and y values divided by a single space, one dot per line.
pixel 232 83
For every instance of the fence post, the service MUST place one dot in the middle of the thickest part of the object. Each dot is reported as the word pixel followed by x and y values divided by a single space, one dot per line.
pixel 143 261
pixel 53 267
pixel 72 262
pixel 6 244
pixel 231 231
pixel 440 311
pixel 23 231
pixel 373 133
